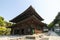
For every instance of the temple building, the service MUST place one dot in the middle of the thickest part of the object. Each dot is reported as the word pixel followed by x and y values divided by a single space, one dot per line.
pixel 27 23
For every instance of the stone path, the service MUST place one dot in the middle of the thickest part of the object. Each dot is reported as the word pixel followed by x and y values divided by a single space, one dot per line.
pixel 51 33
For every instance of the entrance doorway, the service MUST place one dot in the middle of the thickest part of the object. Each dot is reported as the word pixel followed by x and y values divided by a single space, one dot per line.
pixel 22 31
pixel 16 32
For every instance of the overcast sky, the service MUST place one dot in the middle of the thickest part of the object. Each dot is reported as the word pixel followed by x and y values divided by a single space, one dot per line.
pixel 47 9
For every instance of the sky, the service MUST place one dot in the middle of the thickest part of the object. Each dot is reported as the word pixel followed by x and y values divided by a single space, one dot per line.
pixel 47 9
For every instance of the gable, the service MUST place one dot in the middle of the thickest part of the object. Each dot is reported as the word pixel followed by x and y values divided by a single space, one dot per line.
pixel 27 13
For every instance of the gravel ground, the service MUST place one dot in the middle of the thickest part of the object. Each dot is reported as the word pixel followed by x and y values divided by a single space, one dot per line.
pixel 45 36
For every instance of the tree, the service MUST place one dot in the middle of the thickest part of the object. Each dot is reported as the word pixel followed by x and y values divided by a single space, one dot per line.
pixel 2 22
pixel 3 25
pixel 4 31
pixel 55 21
pixel 8 24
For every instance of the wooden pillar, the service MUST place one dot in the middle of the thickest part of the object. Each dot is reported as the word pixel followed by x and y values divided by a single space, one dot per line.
pixel 12 31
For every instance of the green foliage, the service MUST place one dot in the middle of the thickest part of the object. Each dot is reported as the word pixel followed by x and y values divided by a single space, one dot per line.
pixel 51 25
pixel 8 24
pixel 1 18
pixel 58 22
pixel 2 22
pixel 55 21
pixel 4 31
pixel 3 25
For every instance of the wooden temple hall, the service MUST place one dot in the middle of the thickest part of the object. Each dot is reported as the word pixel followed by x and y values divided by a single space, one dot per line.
pixel 27 23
